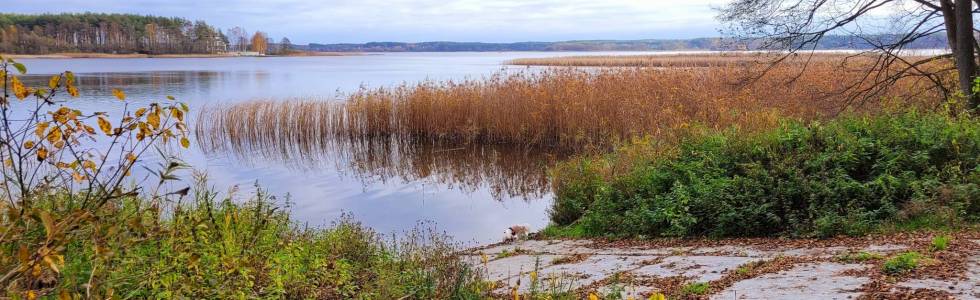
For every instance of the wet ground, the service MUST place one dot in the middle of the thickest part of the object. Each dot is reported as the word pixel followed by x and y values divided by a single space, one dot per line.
pixel 845 268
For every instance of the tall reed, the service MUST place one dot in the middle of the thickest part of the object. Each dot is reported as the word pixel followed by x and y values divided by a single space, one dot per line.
pixel 455 130
pixel 685 60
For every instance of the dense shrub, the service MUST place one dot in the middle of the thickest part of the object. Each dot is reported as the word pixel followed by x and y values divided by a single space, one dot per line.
pixel 848 176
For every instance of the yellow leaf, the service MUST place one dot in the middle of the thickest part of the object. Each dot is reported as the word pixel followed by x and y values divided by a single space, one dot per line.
pixel 31 295
pixel 131 157
pixel 154 119
pixel 119 94
pixel 78 177
pixel 51 264
pixel 42 153
pixel 105 126
pixel 53 83
pixel 20 91
pixel 73 91
pixel 28 144
pixel 177 114
pixel 48 223
pixel 41 128
pixel 140 112
pixel 593 296
pixel 184 142
pixel 54 135
pixel 88 164
pixel 658 296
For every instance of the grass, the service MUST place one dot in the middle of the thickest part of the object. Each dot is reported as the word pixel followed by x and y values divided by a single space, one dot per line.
pixel 901 263
pixel 508 253
pixel 849 176
pixel 208 247
pixel 696 288
pixel 569 259
pixel 862 256
pixel 940 243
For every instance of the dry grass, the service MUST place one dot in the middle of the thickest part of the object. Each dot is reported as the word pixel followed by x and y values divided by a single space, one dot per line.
pixel 722 59
pixel 552 110
pixel 566 108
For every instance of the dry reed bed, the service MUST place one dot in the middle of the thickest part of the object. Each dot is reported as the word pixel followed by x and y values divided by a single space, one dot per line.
pixel 564 108
pixel 726 59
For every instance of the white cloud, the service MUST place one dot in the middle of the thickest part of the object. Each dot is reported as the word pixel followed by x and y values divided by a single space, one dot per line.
pixel 422 20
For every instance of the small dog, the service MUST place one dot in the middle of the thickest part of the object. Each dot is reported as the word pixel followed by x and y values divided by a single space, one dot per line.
pixel 517 233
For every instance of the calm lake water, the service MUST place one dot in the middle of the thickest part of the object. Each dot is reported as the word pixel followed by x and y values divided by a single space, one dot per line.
pixel 472 193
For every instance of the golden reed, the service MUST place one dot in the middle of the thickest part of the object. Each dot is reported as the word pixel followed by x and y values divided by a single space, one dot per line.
pixel 571 109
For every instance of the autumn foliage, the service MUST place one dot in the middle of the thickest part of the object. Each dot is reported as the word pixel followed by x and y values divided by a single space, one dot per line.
pixel 57 186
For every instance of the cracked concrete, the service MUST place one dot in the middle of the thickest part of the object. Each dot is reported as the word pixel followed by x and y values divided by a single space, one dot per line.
pixel 638 271
pixel 809 281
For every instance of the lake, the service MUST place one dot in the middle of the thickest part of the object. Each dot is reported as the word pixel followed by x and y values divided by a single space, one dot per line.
pixel 471 193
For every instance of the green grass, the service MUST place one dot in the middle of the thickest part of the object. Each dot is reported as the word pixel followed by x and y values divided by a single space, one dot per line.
pixel 743 270
pixel 553 231
pixel 697 288
pixel 849 176
pixel 862 256
pixel 940 243
pixel 901 263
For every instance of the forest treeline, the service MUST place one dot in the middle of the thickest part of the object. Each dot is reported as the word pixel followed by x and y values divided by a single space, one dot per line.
pixel 830 42
pixel 124 33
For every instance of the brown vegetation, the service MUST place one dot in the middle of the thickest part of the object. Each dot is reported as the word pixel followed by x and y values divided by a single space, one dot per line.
pixel 463 133
pixel 706 59
pixel 565 108
pixel 507 171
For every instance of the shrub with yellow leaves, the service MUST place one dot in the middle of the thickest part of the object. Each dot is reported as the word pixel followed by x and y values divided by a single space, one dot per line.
pixel 61 176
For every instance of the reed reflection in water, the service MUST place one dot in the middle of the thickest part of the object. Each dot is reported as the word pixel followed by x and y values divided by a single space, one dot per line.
pixel 302 135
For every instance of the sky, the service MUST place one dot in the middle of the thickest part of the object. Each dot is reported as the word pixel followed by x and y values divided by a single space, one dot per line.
pixel 358 21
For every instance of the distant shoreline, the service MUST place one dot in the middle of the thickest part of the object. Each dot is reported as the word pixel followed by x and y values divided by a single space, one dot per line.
pixel 69 55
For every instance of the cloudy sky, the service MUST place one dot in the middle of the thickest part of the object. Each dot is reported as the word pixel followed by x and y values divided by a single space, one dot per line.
pixel 333 21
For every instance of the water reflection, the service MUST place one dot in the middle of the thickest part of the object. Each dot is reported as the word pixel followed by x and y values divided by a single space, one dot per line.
pixel 507 171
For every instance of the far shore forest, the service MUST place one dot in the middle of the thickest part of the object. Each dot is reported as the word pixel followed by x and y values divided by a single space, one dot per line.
pixel 127 34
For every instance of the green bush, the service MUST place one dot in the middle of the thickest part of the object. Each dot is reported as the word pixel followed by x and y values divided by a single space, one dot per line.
pixel 848 176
